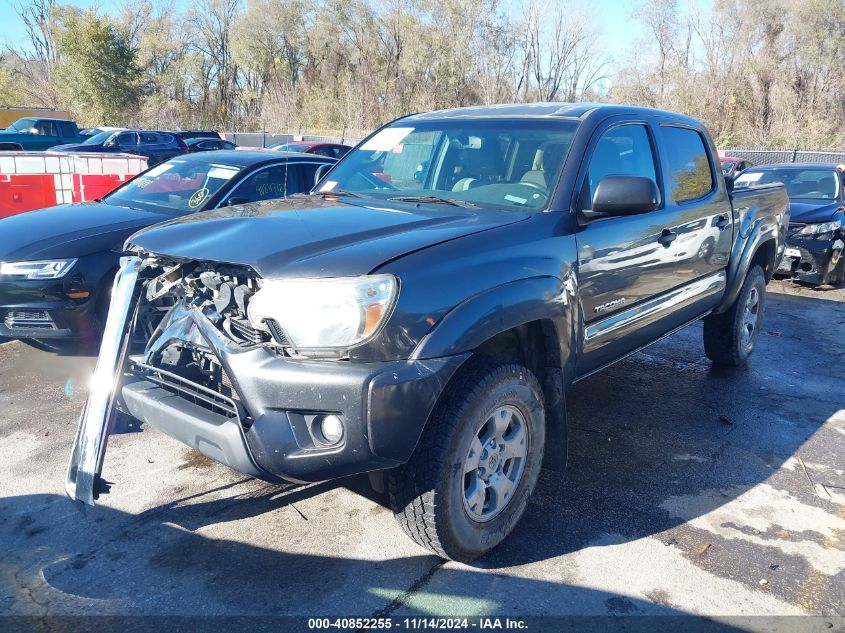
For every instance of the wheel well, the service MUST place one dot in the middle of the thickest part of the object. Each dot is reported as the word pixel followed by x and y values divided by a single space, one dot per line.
pixel 10 147
pixel 764 257
pixel 534 345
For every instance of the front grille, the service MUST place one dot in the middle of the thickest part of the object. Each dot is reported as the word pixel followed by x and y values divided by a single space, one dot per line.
pixel 28 320
pixel 205 397
pixel 244 330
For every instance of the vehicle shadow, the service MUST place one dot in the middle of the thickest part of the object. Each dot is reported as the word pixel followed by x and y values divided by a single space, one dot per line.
pixel 111 569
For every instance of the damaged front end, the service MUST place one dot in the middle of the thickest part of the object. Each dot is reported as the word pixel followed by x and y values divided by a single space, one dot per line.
pixel 165 321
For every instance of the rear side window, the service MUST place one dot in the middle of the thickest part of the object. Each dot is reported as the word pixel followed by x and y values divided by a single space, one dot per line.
pixel 689 169
pixel 66 128
pixel 621 151
pixel 149 138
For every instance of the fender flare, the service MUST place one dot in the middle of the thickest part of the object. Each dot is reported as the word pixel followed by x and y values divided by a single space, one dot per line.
pixel 497 310
pixel 745 249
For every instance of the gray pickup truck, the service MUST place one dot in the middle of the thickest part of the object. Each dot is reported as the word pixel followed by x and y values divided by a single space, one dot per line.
pixel 420 315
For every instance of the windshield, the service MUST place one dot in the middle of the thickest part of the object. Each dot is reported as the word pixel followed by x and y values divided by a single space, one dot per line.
pixel 98 139
pixel 22 125
pixel 177 185
pixel 818 184
pixel 490 163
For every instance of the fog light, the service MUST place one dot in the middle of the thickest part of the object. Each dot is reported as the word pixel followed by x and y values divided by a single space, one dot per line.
pixel 331 428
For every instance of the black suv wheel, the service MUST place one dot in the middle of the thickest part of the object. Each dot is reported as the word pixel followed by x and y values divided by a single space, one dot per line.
pixel 469 480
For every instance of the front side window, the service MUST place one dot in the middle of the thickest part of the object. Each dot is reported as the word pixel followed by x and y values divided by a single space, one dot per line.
pixel 489 163
pixel 278 181
pixel 46 128
pixel 621 151
pixel 689 168
pixel 178 185
pixel 127 138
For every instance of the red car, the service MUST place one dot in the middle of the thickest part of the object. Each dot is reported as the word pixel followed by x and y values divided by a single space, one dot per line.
pixel 332 150
pixel 733 166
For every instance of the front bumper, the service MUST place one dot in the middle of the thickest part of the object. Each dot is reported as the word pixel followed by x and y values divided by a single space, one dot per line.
pixel 44 309
pixel 267 429
pixel 810 260
pixel 260 418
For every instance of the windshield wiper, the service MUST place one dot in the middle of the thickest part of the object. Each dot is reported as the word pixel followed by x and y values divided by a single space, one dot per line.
pixel 455 202
pixel 336 192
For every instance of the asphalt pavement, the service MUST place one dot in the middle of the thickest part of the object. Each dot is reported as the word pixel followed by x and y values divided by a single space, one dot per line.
pixel 689 490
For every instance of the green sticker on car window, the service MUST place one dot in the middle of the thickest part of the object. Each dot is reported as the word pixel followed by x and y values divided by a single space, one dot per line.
pixel 198 198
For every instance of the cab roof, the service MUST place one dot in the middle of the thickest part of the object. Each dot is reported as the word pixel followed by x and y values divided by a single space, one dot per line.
pixel 561 110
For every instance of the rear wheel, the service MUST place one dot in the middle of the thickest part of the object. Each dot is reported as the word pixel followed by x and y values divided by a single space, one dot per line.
pixel 729 338
pixel 468 482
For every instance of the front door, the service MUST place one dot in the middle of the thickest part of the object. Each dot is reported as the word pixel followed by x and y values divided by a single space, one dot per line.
pixel 639 273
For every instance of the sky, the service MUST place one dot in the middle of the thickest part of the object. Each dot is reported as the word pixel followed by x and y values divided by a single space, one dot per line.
pixel 619 31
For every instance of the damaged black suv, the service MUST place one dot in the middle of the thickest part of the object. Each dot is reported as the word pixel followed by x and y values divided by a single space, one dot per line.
pixel 420 314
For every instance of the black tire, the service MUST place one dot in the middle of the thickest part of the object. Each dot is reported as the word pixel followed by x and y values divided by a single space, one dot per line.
pixel 725 343
pixel 428 493
pixel 836 277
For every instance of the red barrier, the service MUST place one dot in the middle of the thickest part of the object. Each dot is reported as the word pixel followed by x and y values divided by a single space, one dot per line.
pixel 34 180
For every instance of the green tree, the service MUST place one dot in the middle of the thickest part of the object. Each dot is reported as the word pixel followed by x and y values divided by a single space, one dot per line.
pixel 97 75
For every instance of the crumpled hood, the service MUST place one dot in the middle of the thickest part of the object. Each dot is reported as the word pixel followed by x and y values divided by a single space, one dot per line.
pixel 806 211
pixel 70 230
pixel 310 236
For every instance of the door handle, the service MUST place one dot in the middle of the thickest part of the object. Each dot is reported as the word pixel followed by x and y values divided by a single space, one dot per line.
pixel 667 237
pixel 722 222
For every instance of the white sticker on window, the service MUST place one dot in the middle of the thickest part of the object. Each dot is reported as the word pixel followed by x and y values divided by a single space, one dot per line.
pixel 328 185
pixel 515 199
pixel 750 178
pixel 222 173
pixel 387 139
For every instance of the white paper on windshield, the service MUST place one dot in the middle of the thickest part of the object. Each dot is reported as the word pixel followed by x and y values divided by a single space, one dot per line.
pixel 222 173
pixel 158 170
pixel 328 185
pixel 749 178
pixel 387 139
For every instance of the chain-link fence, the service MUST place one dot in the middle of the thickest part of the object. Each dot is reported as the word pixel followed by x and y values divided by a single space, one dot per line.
pixel 266 139
pixel 776 156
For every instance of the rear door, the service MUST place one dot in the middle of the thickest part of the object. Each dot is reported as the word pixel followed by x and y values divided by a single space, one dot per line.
pixel 642 275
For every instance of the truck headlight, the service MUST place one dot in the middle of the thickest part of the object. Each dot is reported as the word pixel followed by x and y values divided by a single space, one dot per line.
pixel 47 269
pixel 315 314
pixel 820 229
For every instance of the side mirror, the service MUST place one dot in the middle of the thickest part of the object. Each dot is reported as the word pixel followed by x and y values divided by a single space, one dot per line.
pixel 322 170
pixel 33 131
pixel 729 183
pixel 624 195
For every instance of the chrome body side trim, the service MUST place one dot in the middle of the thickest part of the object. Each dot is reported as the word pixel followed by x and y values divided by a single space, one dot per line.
pixel 655 307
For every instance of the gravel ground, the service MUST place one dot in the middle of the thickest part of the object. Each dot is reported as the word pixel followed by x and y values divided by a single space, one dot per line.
pixel 689 490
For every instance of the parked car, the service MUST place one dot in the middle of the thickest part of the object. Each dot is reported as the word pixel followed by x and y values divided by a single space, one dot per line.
pixel 420 315
pixel 732 167
pixel 38 134
pixel 186 134
pixel 58 263
pixel 332 150
pixel 208 144
pixel 815 239
pixel 156 146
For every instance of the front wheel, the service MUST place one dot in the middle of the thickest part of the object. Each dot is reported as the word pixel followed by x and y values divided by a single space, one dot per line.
pixel 729 338
pixel 468 482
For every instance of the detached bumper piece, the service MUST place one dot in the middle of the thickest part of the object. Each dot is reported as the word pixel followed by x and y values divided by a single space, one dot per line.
pixel 86 460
